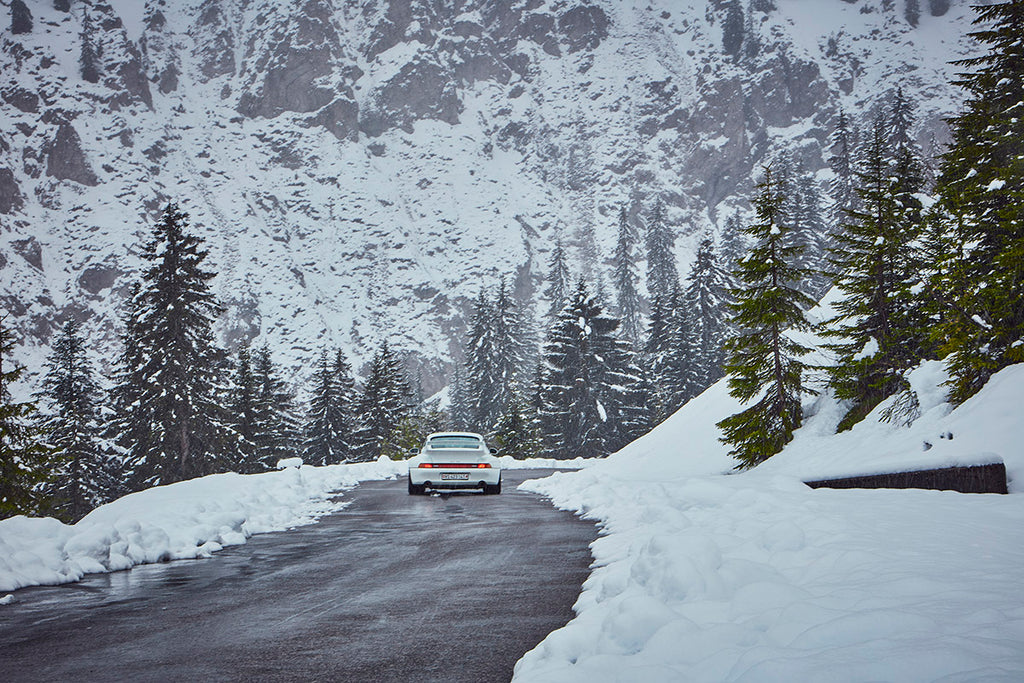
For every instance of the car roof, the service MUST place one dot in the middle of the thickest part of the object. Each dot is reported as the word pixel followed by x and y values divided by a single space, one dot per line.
pixel 474 434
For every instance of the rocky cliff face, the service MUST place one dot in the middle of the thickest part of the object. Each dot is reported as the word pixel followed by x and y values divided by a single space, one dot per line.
pixel 360 169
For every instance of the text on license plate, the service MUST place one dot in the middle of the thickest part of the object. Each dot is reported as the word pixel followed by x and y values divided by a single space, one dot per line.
pixel 462 476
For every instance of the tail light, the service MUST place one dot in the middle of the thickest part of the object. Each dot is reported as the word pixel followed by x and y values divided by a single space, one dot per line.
pixel 453 465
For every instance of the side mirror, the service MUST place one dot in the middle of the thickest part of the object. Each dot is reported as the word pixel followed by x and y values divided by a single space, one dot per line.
pixel 495 451
pixel 414 451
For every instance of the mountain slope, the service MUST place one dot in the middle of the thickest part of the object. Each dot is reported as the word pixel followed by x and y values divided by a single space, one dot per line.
pixel 359 171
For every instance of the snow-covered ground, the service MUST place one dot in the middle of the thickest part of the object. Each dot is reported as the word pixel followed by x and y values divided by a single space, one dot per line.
pixel 186 520
pixel 704 574
pixel 179 521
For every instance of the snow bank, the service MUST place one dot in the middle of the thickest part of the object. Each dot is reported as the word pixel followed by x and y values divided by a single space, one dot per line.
pixel 704 574
pixel 510 463
pixel 986 428
pixel 186 520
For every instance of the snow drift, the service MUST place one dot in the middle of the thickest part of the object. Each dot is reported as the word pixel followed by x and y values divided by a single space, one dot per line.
pixel 704 574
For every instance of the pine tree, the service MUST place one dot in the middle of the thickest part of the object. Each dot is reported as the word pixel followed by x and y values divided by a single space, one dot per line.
pixel 593 400
pixel 586 247
pixel 880 336
pixel 88 58
pixel 84 477
pixel 460 412
pixel 329 438
pixel 381 407
pixel 129 429
pixel 807 229
pixel 670 354
pixel 662 275
pixel 843 186
pixel 278 435
pixel 482 376
pixel 516 434
pixel 981 207
pixel 242 405
pixel 705 300
pixel 625 279
pixel 732 243
pixel 763 363
pixel 510 350
pixel 24 461
pixel 170 364
pixel 557 290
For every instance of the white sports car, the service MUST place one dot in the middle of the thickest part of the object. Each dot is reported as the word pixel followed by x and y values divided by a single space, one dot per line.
pixel 454 460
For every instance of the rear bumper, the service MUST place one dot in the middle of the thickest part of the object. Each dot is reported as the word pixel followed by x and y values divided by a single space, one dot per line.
pixel 433 479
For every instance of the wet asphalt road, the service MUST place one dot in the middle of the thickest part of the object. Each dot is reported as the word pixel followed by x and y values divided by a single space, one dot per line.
pixel 452 587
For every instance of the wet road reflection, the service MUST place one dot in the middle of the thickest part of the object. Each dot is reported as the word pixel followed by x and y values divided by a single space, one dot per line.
pixel 452 587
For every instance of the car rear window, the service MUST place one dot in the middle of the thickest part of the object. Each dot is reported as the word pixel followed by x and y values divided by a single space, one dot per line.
pixel 454 442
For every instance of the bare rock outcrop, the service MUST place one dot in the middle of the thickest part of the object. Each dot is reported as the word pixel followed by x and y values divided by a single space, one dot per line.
pixel 66 160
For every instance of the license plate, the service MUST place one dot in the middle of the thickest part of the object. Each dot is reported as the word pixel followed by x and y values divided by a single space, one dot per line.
pixel 458 476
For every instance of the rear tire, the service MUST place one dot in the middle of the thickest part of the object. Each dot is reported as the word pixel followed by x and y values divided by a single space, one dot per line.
pixel 415 490
pixel 492 490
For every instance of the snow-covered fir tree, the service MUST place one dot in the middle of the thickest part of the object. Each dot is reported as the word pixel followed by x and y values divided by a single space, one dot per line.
pixel 24 461
pixel 670 355
pixel 557 290
pixel 242 406
pixel 588 257
pixel 879 335
pixel 626 297
pixel 460 411
pixel 88 58
pixel 705 301
pixel 763 363
pixel 381 406
pixel 981 208
pixel 732 243
pixel 511 351
pixel 662 274
pixel 279 434
pixel 129 427
pixel 173 393
pixel 83 475
pixel 497 355
pixel 808 230
pixel 483 378
pixel 516 433
pixel 593 399
pixel 329 425
pixel 844 182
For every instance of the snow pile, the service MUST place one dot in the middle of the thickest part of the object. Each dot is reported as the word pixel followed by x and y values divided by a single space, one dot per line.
pixel 186 520
pixel 703 574
pixel 510 463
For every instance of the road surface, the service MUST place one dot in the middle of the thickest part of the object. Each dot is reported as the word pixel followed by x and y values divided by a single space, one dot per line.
pixel 452 587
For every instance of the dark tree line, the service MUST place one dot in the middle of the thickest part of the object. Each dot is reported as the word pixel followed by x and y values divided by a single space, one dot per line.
pixel 180 407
